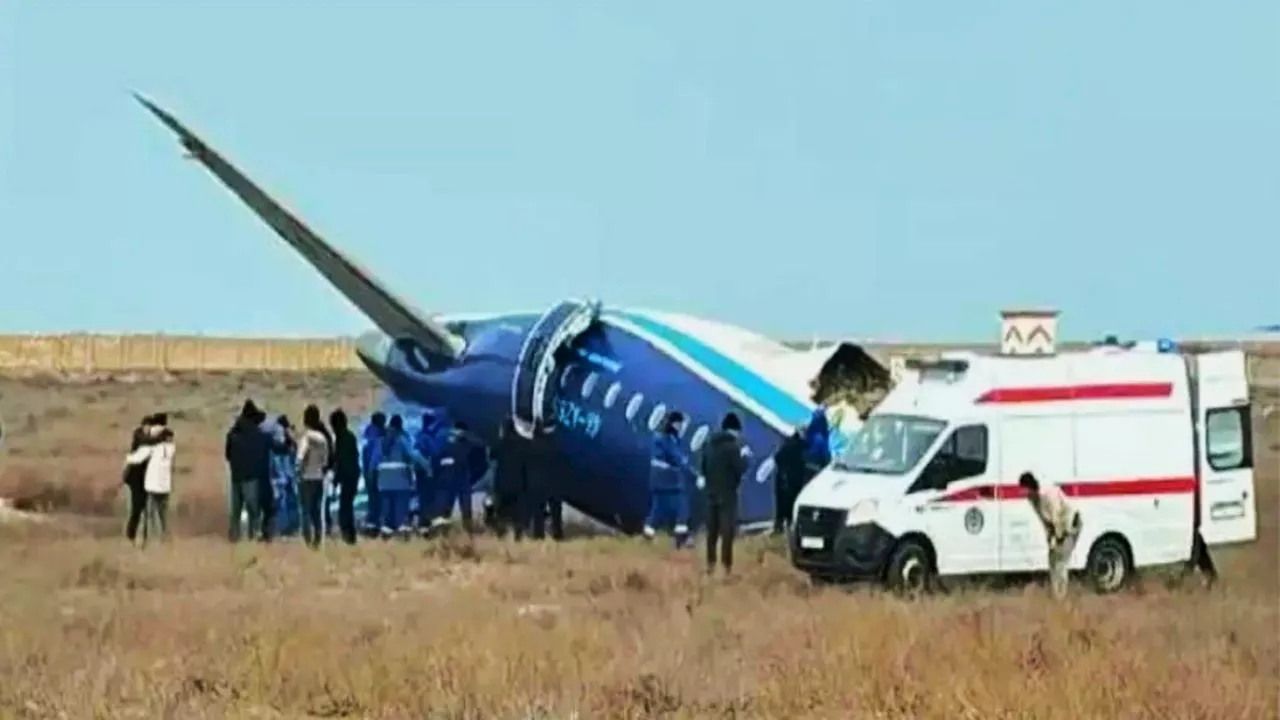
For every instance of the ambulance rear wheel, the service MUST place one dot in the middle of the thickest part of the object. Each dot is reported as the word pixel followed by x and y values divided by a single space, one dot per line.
pixel 911 570
pixel 1110 564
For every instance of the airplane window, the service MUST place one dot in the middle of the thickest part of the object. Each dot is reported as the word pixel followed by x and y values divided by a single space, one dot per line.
pixel 699 438
pixel 564 376
pixel 766 471
pixel 590 384
pixel 611 396
pixel 656 417
pixel 633 406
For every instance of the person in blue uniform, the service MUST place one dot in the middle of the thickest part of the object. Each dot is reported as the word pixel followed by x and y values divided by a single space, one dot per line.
pixel 427 443
pixel 455 472
pixel 284 478
pixel 817 443
pixel 669 476
pixel 395 477
pixel 369 455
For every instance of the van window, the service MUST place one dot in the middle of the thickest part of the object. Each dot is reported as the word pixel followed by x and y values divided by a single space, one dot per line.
pixel 962 455
pixel 1228 438
pixel 890 444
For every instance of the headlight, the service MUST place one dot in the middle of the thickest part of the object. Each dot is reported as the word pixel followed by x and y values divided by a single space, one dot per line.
pixel 862 511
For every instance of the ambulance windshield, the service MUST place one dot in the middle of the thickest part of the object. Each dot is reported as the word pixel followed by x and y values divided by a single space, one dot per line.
pixel 890 444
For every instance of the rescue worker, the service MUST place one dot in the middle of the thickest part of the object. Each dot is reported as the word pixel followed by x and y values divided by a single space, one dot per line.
pixel 427 443
pixel 134 476
pixel 508 481
pixel 788 479
pixel 544 468
pixel 669 470
pixel 248 454
pixel 395 477
pixel 346 473
pixel 284 478
pixel 158 476
pixel 373 434
pixel 314 448
pixel 455 472
pixel 817 443
pixel 1061 527
pixel 723 463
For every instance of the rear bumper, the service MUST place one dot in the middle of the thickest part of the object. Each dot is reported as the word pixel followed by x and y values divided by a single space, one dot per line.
pixel 853 552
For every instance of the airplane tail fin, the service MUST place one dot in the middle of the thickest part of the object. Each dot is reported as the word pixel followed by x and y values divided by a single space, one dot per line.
pixel 391 314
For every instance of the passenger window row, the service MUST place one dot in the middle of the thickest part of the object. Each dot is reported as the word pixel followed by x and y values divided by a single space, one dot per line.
pixel 633 406
pixel 659 411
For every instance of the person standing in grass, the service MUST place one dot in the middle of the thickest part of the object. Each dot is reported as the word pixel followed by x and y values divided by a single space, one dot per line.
pixel 722 465
pixel 248 454
pixel 157 477
pixel 346 473
pixel 1061 527
pixel 135 479
pixel 314 449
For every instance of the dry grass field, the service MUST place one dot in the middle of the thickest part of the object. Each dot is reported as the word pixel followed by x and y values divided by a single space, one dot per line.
pixel 93 628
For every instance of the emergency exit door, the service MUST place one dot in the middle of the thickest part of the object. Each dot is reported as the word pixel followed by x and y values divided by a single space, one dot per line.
pixel 532 389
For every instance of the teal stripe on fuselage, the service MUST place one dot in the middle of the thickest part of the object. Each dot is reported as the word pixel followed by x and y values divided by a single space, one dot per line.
pixel 769 396
pixel 785 406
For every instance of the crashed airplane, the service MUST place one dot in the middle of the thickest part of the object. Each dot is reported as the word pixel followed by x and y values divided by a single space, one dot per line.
pixel 604 377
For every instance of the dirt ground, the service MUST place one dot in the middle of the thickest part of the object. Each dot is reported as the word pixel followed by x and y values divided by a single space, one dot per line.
pixel 595 628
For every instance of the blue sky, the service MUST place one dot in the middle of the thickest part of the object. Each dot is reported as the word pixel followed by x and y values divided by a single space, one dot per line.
pixel 855 168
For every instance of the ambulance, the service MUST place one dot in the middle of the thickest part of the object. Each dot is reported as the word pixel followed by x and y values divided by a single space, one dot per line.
pixel 1149 446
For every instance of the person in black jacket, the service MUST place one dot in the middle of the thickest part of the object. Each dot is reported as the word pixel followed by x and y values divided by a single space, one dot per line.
pixel 541 502
pixel 722 465
pixel 133 479
pixel 509 481
pixel 788 480
pixel 248 454
pixel 346 473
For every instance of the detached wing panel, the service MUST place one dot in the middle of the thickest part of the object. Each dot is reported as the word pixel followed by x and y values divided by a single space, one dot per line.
pixel 392 315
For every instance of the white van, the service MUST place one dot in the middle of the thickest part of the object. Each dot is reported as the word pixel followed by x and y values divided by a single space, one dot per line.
pixel 1145 444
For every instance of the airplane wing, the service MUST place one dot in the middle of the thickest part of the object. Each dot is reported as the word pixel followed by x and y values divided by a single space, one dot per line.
pixel 391 314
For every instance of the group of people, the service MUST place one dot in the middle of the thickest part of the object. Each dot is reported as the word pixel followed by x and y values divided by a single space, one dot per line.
pixel 718 472
pixel 413 480
pixel 278 477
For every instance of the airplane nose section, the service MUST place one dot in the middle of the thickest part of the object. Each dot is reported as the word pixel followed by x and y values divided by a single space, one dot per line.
pixel 374 348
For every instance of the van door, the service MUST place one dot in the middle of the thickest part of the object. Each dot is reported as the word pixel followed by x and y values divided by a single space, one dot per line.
pixel 1228 503
pixel 962 512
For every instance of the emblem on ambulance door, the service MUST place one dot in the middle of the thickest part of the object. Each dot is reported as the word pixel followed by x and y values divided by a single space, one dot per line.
pixel 973 521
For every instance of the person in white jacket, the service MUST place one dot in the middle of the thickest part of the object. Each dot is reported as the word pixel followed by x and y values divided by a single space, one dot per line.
pixel 158 478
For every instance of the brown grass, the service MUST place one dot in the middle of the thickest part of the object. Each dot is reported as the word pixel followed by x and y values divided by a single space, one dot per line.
pixel 90 627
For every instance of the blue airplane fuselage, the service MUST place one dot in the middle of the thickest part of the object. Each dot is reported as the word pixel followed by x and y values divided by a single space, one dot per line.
pixel 609 397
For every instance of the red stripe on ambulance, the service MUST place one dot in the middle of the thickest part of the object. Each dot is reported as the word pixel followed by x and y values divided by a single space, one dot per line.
pixel 1103 488
pixel 1063 393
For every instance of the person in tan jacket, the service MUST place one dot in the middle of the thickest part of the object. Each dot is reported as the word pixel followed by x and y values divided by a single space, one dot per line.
pixel 1061 527
pixel 314 448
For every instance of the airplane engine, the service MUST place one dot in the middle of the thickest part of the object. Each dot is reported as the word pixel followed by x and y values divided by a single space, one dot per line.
pixel 532 386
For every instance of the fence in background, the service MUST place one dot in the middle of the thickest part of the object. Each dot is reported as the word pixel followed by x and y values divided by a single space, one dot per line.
pixel 116 353
pixel 113 353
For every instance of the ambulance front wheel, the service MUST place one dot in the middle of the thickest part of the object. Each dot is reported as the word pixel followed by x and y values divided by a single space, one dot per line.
pixel 1110 564
pixel 911 569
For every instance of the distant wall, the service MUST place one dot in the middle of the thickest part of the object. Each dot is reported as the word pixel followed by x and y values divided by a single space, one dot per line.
pixel 114 353
pixel 107 353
